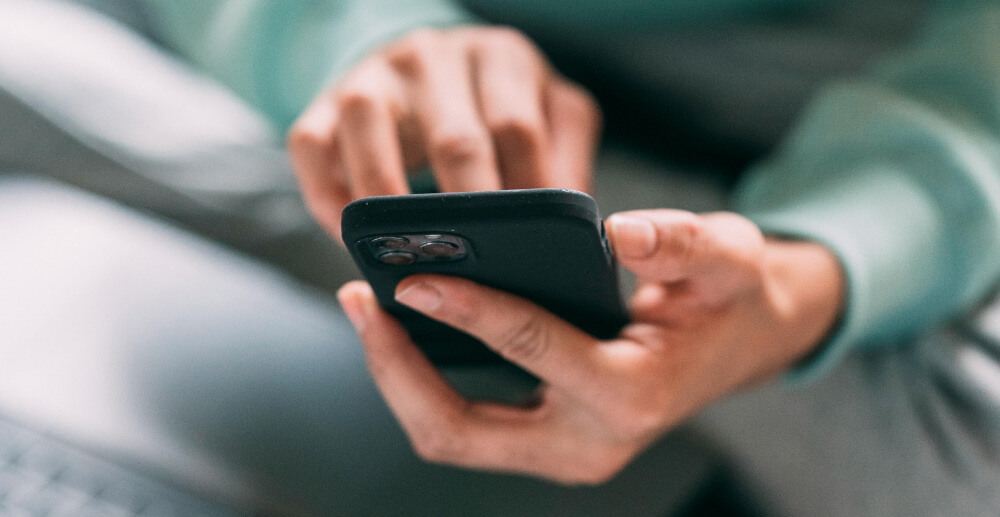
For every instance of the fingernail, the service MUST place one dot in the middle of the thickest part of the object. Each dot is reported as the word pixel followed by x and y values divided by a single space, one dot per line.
pixel 420 296
pixel 632 237
pixel 355 311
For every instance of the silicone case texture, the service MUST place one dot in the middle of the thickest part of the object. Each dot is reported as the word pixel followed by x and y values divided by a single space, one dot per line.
pixel 546 245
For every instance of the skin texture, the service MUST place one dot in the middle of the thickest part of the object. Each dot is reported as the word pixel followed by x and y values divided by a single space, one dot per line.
pixel 718 308
pixel 480 105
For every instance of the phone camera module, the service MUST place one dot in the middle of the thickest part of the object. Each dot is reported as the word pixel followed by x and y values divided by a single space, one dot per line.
pixel 440 249
pixel 398 258
pixel 404 249
pixel 390 243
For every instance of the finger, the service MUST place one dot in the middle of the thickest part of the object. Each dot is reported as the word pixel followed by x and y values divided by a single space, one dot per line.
pixel 510 76
pixel 368 102
pixel 415 391
pixel 525 334
pixel 442 426
pixel 648 302
pixel 436 419
pixel 667 304
pixel 574 132
pixel 315 154
pixel 439 81
pixel 674 245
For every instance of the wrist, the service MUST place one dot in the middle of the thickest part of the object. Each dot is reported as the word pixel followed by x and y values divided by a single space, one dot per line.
pixel 806 287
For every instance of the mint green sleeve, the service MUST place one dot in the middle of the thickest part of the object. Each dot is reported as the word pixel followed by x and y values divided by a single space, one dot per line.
pixel 899 174
pixel 278 55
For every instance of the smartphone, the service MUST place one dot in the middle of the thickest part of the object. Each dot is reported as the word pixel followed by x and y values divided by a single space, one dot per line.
pixel 546 245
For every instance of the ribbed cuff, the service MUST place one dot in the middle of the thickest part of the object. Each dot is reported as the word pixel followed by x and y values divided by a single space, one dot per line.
pixel 886 232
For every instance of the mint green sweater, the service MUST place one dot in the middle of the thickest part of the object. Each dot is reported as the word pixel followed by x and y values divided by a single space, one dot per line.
pixel 898 172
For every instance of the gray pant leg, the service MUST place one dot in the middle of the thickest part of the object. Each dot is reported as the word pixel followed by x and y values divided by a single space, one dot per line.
pixel 908 431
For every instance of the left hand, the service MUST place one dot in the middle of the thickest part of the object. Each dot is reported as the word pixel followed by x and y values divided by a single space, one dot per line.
pixel 718 307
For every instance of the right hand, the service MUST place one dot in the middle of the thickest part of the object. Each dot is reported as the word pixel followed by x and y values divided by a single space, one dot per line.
pixel 719 308
pixel 480 105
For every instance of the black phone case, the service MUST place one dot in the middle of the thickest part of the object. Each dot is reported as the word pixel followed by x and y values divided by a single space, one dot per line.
pixel 546 245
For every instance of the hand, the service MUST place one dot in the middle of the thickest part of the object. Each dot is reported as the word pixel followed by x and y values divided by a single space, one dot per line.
pixel 481 106
pixel 717 308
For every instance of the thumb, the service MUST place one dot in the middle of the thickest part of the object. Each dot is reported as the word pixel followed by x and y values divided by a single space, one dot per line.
pixel 673 245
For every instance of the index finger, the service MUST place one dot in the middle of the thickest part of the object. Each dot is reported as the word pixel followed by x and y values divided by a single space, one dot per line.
pixel 520 331
pixel 459 148
pixel 575 127
pixel 368 101
pixel 315 154
pixel 442 426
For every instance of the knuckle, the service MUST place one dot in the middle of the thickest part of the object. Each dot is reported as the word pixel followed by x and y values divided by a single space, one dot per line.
pixel 409 64
pixel 639 411
pixel 599 469
pixel 377 177
pixel 527 341
pixel 639 422
pixel 440 444
pixel 464 307
pixel 682 235
pixel 736 223
pixel 303 138
pixel 456 149
pixel 355 100
pixel 582 106
pixel 509 36
pixel 518 131
pixel 411 56
pixel 741 239
pixel 755 240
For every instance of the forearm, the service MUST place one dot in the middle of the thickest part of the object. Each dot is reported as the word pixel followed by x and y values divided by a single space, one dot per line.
pixel 896 174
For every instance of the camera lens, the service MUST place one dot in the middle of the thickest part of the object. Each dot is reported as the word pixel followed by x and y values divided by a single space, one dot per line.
pixel 390 243
pixel 439 249
pixel 398 258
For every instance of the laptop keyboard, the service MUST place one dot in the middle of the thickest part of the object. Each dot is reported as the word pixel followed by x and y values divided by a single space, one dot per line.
pixel 42 477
